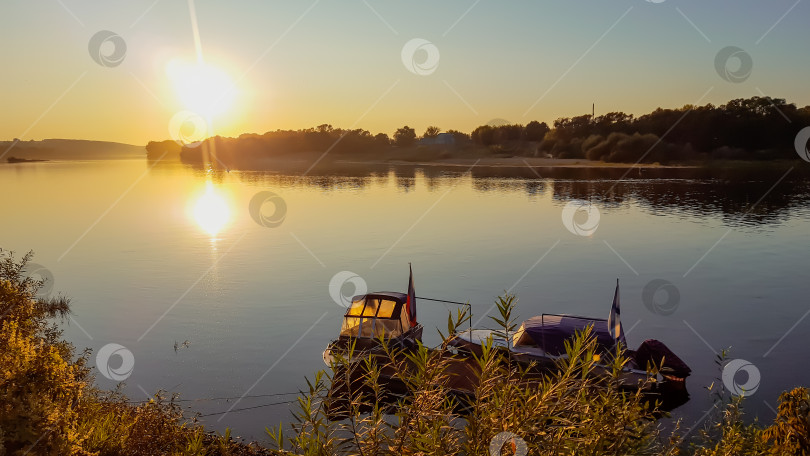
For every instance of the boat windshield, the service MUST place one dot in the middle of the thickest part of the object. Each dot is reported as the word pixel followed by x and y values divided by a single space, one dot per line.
pixel 371 318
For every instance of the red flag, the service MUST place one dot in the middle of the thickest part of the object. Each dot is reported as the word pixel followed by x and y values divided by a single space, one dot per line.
pixel 410 305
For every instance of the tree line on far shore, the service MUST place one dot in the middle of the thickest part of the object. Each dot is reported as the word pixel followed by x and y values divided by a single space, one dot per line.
pixel 757 128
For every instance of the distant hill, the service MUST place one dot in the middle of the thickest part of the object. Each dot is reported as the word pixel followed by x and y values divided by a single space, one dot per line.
pixel 70 149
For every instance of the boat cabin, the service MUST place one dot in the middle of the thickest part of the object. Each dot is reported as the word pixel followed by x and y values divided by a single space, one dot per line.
pixel 377 314
pixel 549 332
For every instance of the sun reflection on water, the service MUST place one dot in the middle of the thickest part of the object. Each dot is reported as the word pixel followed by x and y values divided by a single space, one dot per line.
pixel 211 211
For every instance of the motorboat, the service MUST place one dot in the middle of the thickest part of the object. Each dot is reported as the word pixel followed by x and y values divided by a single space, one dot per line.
pixel 369 318
pixel 541 342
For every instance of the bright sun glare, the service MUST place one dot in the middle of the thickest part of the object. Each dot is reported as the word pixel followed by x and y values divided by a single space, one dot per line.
pixel 211 211
pixel 202 88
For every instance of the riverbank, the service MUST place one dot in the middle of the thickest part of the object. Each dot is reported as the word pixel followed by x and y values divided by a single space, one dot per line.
pixel 452 159
pixel 67 149
pixel 457 161
pixel 24 160
pixel 518 162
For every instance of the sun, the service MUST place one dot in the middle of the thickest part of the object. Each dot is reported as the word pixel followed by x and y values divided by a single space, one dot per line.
pixel 211 211
pixel 201 87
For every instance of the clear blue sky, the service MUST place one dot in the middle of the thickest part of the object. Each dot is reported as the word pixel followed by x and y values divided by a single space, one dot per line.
pixel 339 61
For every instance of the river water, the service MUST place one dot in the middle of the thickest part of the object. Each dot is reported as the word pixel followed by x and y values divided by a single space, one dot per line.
pixel 169 262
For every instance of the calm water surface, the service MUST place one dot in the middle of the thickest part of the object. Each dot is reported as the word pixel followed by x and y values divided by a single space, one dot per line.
pixel 146 267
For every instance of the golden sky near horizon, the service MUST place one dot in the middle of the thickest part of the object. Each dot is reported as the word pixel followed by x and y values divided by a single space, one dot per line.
pixel 380 65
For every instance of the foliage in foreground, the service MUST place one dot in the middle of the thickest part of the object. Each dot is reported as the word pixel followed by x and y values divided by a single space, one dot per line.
pixel 48 405
pixel 566 412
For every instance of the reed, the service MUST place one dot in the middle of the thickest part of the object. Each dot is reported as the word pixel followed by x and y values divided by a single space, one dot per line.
pixel 574 409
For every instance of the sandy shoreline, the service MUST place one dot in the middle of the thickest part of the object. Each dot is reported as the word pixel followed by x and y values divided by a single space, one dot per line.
pixel 514 162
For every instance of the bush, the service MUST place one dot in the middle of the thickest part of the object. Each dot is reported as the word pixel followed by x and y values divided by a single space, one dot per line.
pixel 548 144
pixel 790 433
pixel 568 149
pixel 48 405
pixel 631 149
pixel 40 387
pixel 591 142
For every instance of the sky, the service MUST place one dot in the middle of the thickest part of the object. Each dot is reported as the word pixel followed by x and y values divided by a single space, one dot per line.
pixel 299 64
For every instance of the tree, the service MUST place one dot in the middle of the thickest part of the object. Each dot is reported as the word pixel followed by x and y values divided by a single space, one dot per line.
pixel 505 133
pixel 168 149
pixel 484 135
pixel 459 137
pixel 432 132
pixel 569 128
pixel 405 136
pixel 381 139
pixel 613 122
pixel 536 131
